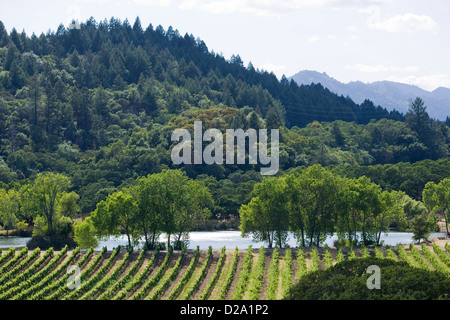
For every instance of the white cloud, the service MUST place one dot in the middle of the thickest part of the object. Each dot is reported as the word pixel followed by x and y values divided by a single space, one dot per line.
pixel 408 22
pixel 382 68
pixel 406 68
pixel 188 4
pixel 352 29
pixel 271 7
pixel 155 3
pixel 368 68
pixel 256 7
pixel 313 39
pixel 405 74
pixel 97 1
pixel 427 82
pixel 278 70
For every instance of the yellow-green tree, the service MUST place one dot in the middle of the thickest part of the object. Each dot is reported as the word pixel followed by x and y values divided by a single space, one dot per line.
pixel 361 207
pixel 266 217
pixel 9 208
pixel 319 202
pixel 118 212
pixel 437 198
pixel 390 211
pixel 183 202
pixel 85 233
pixel 48 189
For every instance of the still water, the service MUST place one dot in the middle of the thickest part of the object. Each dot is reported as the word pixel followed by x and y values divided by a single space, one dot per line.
pixel 13 242
pixel 218 239
pixel 233 239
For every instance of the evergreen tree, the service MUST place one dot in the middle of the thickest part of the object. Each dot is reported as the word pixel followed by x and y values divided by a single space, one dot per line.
pixel 18 78
pixel 253 121
pixel 417 118
pixel 15 38
pixel 421 227
pixel 338 136
pixel 35 95
pixel 272 119
pixel 148 103
pixel 81 105
pixel 3 35
pixel 427 130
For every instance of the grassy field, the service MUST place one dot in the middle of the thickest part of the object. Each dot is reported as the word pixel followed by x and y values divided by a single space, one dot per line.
pixel 227 274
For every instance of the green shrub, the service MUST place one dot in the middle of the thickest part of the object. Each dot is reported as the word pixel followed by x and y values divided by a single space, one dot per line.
pixel 347 280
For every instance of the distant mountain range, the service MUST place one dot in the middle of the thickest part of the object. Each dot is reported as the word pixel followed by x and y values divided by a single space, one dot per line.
pixel 388 94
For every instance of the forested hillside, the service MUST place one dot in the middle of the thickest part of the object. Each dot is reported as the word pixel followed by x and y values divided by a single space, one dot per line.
pixel 99 104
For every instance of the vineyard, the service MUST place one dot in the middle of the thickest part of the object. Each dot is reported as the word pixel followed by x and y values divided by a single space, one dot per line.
pixel 227 274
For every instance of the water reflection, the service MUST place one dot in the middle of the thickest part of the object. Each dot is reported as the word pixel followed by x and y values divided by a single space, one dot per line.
pixel 233 239
pixel 13 242
pixel 218 239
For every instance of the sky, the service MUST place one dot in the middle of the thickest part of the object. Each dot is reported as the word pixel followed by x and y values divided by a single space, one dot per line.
pixel 351 40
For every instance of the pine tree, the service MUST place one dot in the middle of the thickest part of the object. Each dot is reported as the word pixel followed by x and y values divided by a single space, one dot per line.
pixel 3 35
pixel 35 95
pixel 421 227
pixel 338 136
pixel 148 103
pixel 417 117
pixel 253 121
pixel 272 119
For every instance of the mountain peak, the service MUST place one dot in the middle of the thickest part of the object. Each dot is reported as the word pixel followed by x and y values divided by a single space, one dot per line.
pixel 388 94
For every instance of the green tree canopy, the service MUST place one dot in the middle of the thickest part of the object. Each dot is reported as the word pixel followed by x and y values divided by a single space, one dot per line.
pixel 266 217
pixel 48 189
pixel 85 233
pixel 116 214
pixel 437 198
pixel 9 208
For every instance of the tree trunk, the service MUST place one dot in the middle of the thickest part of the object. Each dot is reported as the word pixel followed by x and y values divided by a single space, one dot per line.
pixel 129 240
pixel 145 233
pixel 446 222
pixel 153 243
pixel 50 225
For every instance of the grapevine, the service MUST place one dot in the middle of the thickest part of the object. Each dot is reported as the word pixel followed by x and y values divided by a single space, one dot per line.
pixel 244 275
pixel 168 279
pixel 215 276
pixel 126 278
pixel 287 272
pixel 153 280
pixel 257 276
pixel 143 275
pixel 272 285
pixel 186 276
pixel 199 277
pixel 230 275
pixel 301 262
pixel 62 290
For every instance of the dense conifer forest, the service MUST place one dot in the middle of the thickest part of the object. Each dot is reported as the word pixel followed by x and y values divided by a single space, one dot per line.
pixel 96 107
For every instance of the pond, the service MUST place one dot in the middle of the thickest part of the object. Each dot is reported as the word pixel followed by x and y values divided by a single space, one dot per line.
pixel 233 239
pixel 218 239
pixel 13 242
